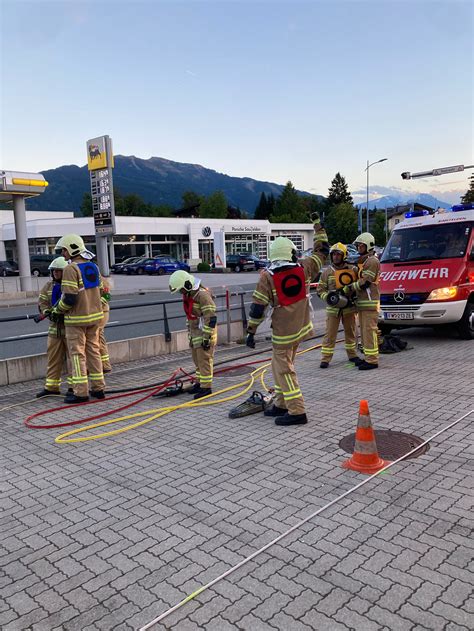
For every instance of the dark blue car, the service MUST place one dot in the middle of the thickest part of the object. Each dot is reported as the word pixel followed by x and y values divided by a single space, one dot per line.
pixel 164 265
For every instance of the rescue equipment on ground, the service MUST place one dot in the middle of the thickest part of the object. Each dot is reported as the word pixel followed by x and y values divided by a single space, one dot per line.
pixel 365 458
pixel 257 402
pixel 392 344
pixel 290 284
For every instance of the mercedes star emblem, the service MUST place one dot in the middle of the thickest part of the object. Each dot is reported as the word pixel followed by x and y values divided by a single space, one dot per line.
pixel 398 295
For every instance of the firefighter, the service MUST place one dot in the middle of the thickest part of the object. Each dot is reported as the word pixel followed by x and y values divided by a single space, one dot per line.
pixel 57 347
pixel 367 299
pixel 104 351
pixel 331 283
pixel 284 285
pixel 200 310
pixel 81 306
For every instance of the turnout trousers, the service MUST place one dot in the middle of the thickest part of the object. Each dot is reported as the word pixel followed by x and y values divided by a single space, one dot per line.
pixel 104 351
pixel 369 335
pixel 57 360
pixel 329 339
pixel 204 362
pixel 287 389
pixel 84 353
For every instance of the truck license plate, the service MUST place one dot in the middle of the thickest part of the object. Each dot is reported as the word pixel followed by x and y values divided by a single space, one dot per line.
pixel 398 316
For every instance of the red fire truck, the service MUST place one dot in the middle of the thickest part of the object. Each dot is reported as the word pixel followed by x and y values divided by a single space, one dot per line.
pixel 427 271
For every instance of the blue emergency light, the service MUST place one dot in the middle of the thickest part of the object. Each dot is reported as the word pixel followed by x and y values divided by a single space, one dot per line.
pixel 460 207
pixel 416 213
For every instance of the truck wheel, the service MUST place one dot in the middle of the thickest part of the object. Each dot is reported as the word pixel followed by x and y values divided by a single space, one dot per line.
pixel 466 323
pixel 35 272
pixel 385 329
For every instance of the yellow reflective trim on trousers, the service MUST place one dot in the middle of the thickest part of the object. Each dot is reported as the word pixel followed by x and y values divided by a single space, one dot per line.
pixel 285 339
pixel 84 319
pixel 290 382
pixel 293 396
pixel 79 379
pixel 105 358
pixel 327 350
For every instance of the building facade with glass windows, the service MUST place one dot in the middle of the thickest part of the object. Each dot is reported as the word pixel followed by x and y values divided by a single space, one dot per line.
pixel 185 239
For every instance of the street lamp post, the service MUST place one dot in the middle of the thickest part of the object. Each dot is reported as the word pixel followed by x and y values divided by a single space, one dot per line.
pixel 367 170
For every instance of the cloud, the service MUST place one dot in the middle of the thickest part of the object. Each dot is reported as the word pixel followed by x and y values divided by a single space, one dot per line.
pixel 450 196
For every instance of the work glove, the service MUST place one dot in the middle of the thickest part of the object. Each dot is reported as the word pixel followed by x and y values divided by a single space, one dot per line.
pixel 206 344
pixel 315 218
pixel 54 316
pixel 365 284
pixel 347 290
pixel 40 317
pixel 250 340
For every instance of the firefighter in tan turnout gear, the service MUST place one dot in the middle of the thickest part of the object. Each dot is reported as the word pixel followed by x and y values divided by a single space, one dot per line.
pixel 331 284
pixel 367 299
pixel 57 347
pixel 200 310
pixel 80 305
pixel 284 285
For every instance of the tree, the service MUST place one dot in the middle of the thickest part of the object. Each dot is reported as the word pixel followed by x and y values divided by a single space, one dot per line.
pixel 86 205
pixel 214 206
pixel 289 207
pixel 468 198
pixel 341 223
pixel 262 211
pixel 191 199
pixel 338 192
pixel 378 228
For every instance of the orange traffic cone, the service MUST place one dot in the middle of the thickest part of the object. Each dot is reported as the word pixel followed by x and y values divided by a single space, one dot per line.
pixel 365 458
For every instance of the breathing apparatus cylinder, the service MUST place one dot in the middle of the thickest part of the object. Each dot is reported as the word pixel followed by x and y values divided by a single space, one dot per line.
pixel 336 299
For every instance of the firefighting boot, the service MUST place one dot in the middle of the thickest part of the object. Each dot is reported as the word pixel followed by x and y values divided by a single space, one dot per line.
pixel 366 366
pixel 97 394
pixel 275 411
pixel 202 393
pixel 194 389
pixel 46 393
pixel 356 360
pixel 324 365
pixel 72 398
pixel 291 419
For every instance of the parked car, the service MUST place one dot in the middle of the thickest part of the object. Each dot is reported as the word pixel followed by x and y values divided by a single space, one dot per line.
pixel 259 263
pixel 164 265
pixel 8 268
pixel 239 262
pixel 39 264
pixel 136 267
pixel 117 268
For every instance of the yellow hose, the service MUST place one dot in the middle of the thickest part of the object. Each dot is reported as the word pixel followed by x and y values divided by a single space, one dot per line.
pixel 159 412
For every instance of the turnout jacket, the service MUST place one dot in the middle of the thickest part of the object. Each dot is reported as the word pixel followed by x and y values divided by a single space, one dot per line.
pixel 327 283
pixel 367 299
pixel 202 319
pixel 80 306
pixel 291 323
pixel 45 303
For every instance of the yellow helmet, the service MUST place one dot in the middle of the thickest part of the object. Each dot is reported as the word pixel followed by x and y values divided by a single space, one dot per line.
pixel 58 263
pixel 181 280
pixel 367 239
pixel 73 243
pixel 339 247
pixel 282 249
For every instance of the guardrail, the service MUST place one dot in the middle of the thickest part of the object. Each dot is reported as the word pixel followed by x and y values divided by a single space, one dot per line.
pixel 227 307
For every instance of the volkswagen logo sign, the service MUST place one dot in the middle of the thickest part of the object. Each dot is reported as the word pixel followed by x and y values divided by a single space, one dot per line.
pixel 399 295
pixel 206 232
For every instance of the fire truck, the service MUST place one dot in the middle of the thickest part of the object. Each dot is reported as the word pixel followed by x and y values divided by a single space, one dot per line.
pixel 427 271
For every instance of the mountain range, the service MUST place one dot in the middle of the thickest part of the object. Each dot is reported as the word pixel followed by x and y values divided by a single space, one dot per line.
pixel 156 180
pixel 390 201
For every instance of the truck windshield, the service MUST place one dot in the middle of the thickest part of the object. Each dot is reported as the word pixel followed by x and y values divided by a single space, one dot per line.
pixel 428 243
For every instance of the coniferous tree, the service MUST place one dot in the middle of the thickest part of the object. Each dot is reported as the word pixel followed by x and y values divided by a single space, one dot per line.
pixel 338 192
pixel 468 197
pixel 261 212
pixel 289 207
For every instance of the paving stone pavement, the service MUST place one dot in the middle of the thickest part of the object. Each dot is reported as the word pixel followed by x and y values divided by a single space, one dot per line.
pixel 110 533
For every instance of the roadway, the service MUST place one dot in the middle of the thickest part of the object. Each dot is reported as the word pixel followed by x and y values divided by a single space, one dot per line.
pixel 134 317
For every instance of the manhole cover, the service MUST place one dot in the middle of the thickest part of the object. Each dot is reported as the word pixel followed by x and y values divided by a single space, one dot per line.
pixel 390 445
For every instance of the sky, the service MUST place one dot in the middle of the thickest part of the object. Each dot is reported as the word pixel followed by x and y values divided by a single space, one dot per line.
pixel 275 91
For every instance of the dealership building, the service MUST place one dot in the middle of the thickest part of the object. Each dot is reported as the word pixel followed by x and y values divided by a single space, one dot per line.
pixel 181 238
